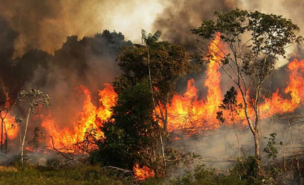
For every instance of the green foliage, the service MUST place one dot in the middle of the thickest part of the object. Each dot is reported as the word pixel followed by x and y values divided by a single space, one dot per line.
pixel 246 168
pixel 229 103
pixel 168 63
pixel 131 135
pixel 269 33
pixel 270 148
pixel 267 36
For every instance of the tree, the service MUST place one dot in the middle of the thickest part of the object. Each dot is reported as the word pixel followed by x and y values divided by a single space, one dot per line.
pixel 160 62
pixel 5 107
pixel 131 134
pixel 255 40
pixel 32 99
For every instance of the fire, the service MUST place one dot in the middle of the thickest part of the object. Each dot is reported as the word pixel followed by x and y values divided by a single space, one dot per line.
pixel 90 119
pixel 186 111
pixel 9 126
pixel 107 100
pixel 142 173
pixel 276 104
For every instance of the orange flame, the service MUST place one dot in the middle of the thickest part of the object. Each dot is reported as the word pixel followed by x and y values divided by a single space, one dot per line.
pixel 186 111
pixel 9 123
pixel 90 119
pixel 142 173
pixel 11 128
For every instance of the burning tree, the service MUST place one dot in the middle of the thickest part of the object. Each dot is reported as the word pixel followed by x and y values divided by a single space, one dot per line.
pixel 5 107
pixel 33 99
pixel 255 40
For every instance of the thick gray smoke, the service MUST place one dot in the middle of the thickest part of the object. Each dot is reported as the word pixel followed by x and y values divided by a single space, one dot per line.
pixel 179 17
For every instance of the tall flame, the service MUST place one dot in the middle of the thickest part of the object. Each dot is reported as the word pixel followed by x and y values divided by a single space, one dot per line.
pixel 186 111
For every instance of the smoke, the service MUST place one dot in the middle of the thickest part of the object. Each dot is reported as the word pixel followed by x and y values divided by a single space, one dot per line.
pixel 179 17
pixel 88 62
pixel 219 148
pixel 45 24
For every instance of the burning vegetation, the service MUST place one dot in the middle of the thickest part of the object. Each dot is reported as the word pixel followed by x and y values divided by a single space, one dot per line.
pixel 130 125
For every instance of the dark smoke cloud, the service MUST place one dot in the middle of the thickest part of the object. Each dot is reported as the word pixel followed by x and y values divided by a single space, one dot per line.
pixel 7 39
pixel 29 18
pixel 180 17
pixel 44 24
pixel 88 62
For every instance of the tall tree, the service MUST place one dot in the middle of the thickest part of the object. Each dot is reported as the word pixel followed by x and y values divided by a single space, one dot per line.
pixel 162 63
pixel 32 99
pixel 255 40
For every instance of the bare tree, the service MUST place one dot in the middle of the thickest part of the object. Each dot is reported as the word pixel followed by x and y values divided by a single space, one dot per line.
pixel 32 99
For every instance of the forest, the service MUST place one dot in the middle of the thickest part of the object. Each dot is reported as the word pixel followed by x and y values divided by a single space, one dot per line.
pixel 214 101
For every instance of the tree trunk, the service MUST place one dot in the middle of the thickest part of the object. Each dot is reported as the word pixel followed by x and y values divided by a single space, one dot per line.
pixel 153 100
pixel 254 129
pixel 24 136
pixel 257 149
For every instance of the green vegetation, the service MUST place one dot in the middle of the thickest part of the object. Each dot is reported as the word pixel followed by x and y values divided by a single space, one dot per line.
pixel 244 173
pixel 131 135
pixel 37 175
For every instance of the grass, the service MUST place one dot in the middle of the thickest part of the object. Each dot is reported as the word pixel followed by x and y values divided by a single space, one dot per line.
pixel 83 175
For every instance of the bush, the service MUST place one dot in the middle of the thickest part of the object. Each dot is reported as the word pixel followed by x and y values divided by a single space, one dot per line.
pixel 246 168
